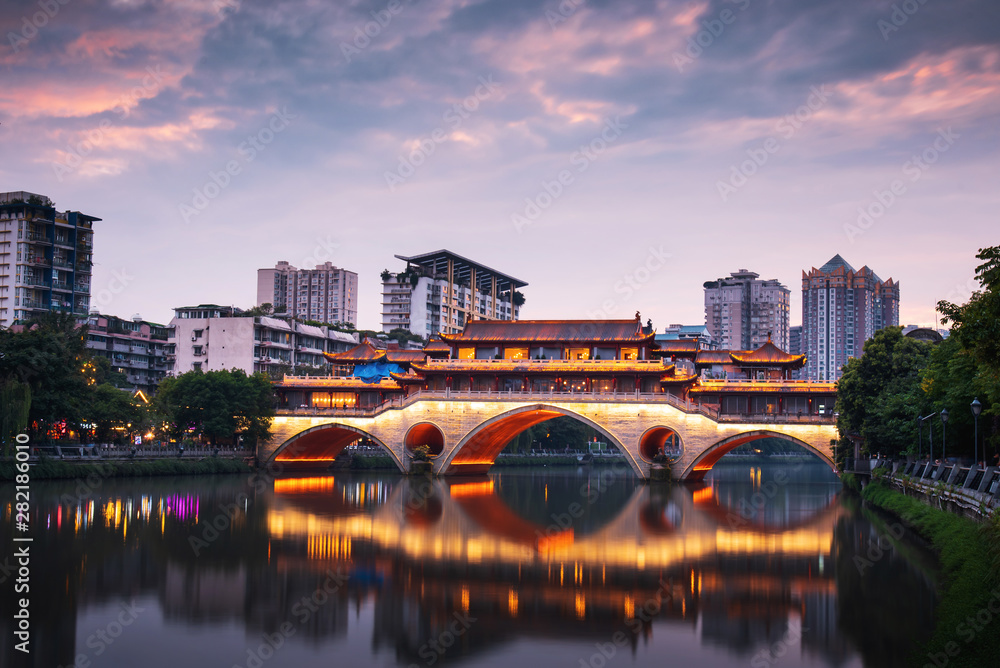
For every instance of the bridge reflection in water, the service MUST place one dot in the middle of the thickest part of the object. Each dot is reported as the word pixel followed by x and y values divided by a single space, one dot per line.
pixel 744 573
pixel 548 565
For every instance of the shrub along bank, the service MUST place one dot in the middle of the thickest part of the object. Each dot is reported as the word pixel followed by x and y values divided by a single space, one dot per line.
pixel 968 614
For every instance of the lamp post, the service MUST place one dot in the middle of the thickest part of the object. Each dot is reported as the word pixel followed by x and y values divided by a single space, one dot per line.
pixel 920 438
pixel 944 432
pixel 977 408
pixel 930 437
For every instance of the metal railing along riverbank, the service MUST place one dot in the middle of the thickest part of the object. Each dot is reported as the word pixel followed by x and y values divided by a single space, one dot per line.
pixel 974 488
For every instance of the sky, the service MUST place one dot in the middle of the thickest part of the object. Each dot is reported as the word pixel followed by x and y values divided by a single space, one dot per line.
pixel 613 154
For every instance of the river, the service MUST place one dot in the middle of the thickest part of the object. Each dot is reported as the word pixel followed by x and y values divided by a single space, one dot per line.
pixel 764 564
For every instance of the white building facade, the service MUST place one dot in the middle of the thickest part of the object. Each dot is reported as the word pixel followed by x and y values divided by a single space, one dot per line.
pixel 213 338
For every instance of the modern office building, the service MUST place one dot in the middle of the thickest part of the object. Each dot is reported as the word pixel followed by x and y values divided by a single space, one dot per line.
pixel 45 258
pixel 325 294
pixel 743 312
pixel 135 347
pixel 212 338
pixel 440 292
pixel 841 309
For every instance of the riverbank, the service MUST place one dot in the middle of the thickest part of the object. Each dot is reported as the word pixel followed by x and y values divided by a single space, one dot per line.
pixel 968 614
pixel 61 470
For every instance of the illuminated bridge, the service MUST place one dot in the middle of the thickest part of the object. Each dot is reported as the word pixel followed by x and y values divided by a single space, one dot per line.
pixel 466 396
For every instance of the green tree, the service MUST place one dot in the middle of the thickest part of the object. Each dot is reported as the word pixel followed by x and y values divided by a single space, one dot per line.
pixel 15 402
pixel 265 309
pixel 114 414
pixel 218 405
pixel 976 329
pixel 49 355
pixel 879 395
pixel 951 380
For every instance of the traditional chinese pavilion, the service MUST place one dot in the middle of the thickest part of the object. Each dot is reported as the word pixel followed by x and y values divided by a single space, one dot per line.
pixel 563 356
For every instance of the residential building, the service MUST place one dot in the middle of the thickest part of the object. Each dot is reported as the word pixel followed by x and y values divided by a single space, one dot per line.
pixel 676 332
pixel 135 347
pixel 795 347
pixel 324 294
pixel 841 309
pixel 212 338
pixel 440 292
pixel 743 312
pixel 45 258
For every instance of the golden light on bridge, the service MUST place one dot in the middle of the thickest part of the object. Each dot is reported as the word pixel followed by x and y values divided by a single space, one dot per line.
pixel 329 547
pixel 471 489
pixel 703 495
pixel 304 485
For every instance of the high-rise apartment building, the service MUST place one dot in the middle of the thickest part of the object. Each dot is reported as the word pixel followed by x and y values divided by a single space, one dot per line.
pixel 441 291
pixel 325 294
pixel 45 258
pixel 841 309
pixel 742 312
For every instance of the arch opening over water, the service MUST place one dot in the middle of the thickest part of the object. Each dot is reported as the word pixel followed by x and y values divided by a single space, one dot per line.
pixel 322 443
pixel 703 463
pixel 657 439
pixel 424 433
pixel 478 449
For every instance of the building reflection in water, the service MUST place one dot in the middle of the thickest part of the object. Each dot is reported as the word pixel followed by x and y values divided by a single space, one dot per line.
pixel 529 557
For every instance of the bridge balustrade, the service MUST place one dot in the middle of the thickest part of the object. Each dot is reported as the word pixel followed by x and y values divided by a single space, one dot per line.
pixel 609 397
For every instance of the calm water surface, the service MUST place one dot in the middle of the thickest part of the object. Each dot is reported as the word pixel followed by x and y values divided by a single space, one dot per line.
pixel 762 565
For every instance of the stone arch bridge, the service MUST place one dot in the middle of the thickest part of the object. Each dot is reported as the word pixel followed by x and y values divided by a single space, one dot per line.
pixel 466 433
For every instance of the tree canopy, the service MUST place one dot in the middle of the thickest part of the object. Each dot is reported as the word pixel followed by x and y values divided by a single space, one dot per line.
pixel 879 395
pixel 50 357
pixel 217 405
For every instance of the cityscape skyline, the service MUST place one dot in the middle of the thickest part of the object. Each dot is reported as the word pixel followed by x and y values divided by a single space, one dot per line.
pixel 635 150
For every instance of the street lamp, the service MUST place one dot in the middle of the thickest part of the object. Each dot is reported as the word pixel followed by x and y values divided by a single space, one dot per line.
pixel 944 432
pixel 930 437
pixel 977 408
pixel 920 438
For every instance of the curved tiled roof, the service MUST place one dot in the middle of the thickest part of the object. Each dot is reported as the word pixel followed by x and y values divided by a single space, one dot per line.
pixel 436 347
pixel 363 353
pixel 545 331
pixel 769 354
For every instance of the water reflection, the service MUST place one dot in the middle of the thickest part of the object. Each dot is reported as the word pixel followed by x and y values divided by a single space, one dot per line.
pixel 757 564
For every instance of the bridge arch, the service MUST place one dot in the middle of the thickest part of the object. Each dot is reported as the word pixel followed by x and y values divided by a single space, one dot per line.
pixel 477 450
pixel 424 433
pixel 323 443
pixel 704 462
pixel 659 437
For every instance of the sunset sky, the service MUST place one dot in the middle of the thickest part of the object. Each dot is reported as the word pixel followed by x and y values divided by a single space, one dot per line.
pixel 615 155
